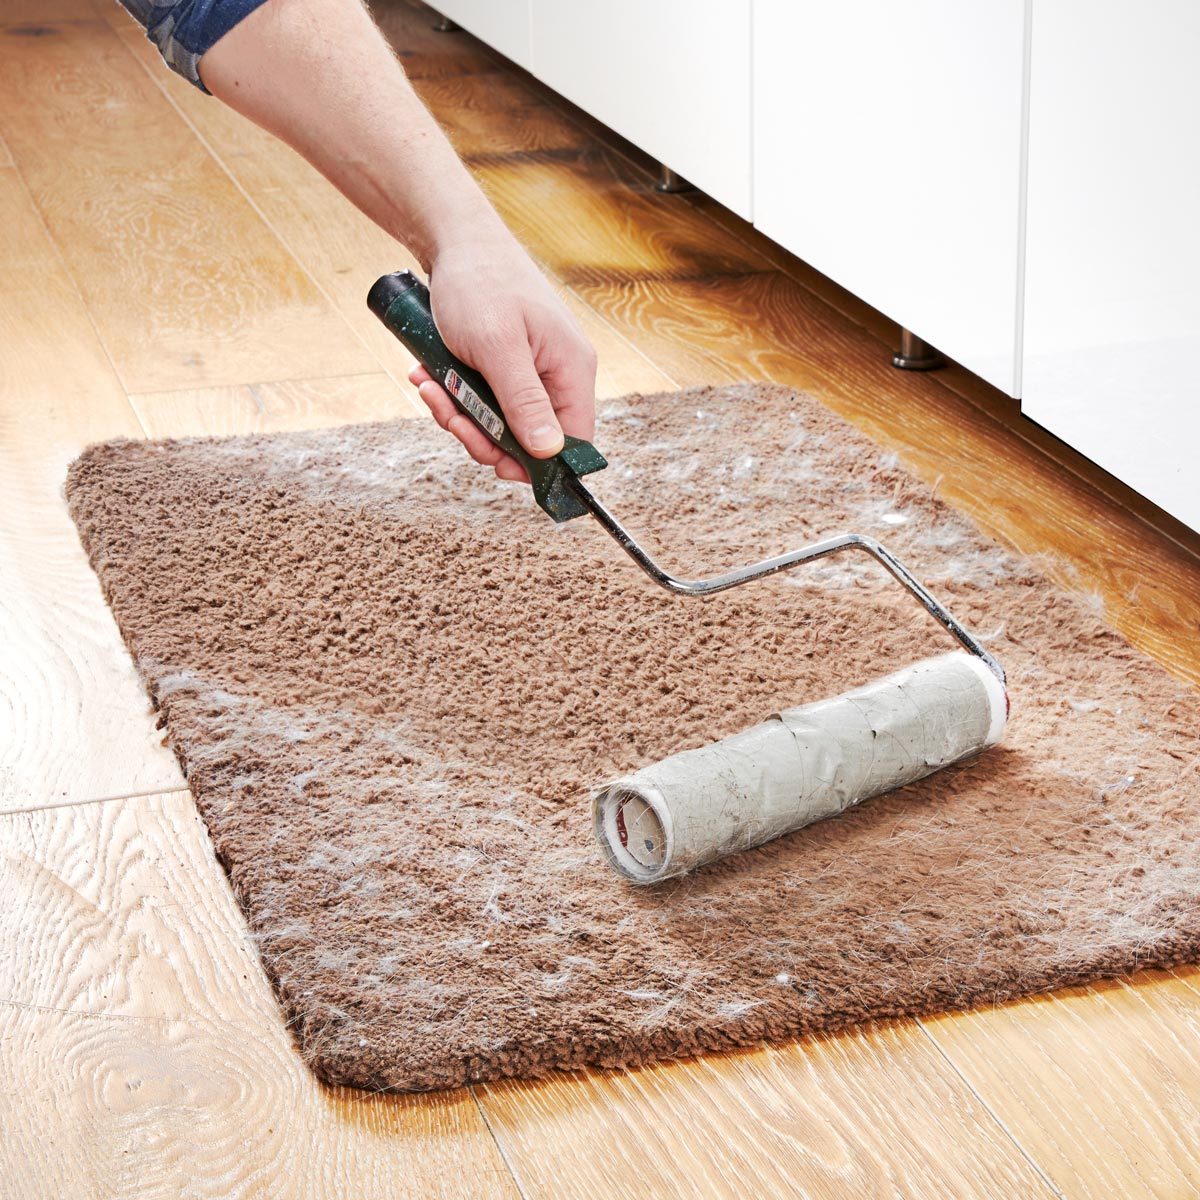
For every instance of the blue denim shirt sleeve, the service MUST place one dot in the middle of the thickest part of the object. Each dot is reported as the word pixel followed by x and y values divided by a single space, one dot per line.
pixel 183 30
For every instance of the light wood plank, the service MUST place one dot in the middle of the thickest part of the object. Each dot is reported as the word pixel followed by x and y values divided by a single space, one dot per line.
pixel 29 18
pixel 343 250
pixel 74 721
pixel 340 250
pixel 315 403
pixel 1101 1084
pixel 186 284
pixel 274 407
pixel 872 1114
pixel 141 1048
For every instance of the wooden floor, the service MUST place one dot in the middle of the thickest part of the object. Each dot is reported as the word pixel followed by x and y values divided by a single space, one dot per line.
pixel 166 269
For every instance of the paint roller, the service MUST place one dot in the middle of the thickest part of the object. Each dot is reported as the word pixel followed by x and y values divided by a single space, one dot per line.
pixel 804 764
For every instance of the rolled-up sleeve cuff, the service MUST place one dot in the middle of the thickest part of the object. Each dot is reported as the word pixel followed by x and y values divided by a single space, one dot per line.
pixel 185 30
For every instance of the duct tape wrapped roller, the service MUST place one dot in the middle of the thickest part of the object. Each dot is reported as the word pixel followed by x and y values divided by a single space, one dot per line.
pixel 803 765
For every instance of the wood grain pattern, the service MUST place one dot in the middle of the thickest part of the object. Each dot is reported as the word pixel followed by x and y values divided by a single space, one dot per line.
pixel 609 222
pixel 74 721
pixel 140 1030
pixel 427 54
pixel 825 1117
pixel 343 249
pixel 316 403
pixel 1100 1084
pixel 339 251
pixel 274 407
pixel 478 107
pixel 185 283
pixel 37 13
pixel 336 244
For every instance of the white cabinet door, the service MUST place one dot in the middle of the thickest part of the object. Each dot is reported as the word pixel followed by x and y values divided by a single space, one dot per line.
pixel 1112 311
pixel 888 155
pixel 502 24
pixel 672 76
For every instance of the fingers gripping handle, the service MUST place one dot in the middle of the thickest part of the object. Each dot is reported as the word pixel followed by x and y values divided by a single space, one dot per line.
pixel 401 302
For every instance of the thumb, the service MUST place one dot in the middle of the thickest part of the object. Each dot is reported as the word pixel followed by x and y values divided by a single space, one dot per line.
pixel 523 398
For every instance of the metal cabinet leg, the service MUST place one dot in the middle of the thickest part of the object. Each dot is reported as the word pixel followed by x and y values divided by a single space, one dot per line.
pixel 669 181
pixel 915 354
pixel 445 25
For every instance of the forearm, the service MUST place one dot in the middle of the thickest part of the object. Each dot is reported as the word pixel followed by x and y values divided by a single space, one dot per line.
pixel 319 75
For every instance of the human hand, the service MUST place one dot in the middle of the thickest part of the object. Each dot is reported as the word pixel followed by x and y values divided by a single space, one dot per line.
pixel 498 313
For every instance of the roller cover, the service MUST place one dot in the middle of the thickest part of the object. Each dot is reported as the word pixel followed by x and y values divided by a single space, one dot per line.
pixel 801 766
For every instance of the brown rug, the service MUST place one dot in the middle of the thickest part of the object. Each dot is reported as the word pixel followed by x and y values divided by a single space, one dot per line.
pixel 391 682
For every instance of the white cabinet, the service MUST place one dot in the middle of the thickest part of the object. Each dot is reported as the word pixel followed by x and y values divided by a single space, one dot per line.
pixel 1112 311
pixel 888 153
pixel 672 76
pixel 504 24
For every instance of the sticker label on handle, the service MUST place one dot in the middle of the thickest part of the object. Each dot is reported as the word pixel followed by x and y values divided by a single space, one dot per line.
pixel 465 395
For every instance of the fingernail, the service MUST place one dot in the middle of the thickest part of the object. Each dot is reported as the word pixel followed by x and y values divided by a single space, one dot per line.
pixel 546 438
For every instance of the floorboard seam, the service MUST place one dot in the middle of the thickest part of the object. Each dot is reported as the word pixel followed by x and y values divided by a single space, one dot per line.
pixel 1008 1133
pixel 37 808
pixel 499 1145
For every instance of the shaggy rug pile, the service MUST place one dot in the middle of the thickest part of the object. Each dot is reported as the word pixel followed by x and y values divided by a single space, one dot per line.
pixel 392 683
